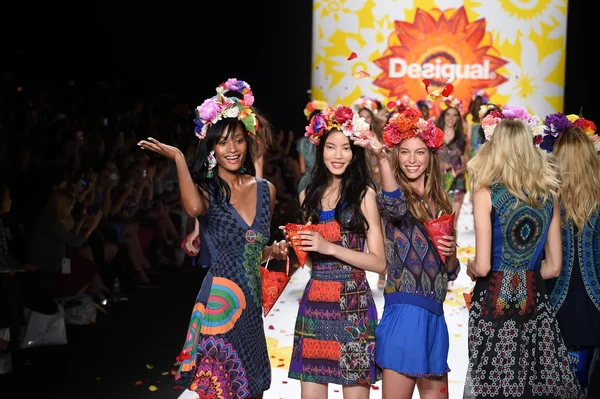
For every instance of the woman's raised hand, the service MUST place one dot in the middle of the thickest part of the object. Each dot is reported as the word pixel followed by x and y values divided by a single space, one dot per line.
pixel 160 148
pixel 371 143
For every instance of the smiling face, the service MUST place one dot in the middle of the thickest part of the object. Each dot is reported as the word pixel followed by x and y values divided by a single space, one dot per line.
pixel 337 152
pixel 413 158
pixel 230 152
pixel 451 117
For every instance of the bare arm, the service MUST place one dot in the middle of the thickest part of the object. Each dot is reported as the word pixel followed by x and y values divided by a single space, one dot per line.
pixel 374 260
pixel 552 262
pixel 482 209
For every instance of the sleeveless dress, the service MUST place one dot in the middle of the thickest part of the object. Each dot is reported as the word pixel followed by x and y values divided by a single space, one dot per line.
pixel 516 349
pixel 575 293
pixel 225 351
pixel 334 336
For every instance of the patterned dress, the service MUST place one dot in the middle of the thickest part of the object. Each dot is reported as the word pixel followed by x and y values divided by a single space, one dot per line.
pixel 516 349
pixel 575 293
pixel 225 351
pixel 334 337
pixel 307 150
pixel 412 336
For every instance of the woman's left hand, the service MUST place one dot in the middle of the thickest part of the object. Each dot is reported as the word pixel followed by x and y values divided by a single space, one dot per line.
pixel 371 144
pixel 447 246
pixel 311 241
pixel 279 250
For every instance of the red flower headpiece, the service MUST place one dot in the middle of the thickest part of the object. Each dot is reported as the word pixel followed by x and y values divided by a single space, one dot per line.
pixel 407 124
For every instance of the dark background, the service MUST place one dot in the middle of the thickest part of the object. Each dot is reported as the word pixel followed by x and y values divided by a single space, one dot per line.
pixel 188 47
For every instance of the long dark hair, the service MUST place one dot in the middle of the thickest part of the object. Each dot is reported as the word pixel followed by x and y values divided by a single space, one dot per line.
pixel 355 182
pixel 216 186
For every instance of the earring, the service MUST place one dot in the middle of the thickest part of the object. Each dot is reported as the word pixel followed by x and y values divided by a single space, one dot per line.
pixel 211 162
pixel 243 170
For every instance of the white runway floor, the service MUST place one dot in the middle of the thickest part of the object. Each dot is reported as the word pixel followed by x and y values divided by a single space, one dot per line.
pixel 279 324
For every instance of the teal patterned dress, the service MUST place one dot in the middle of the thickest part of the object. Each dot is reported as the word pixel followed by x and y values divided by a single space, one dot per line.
pixel 516 348
pixel 225 351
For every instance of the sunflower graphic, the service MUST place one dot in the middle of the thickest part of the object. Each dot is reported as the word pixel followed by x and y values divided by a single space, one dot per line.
pixel 444 47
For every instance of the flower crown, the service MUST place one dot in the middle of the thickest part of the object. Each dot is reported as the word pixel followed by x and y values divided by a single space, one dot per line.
pixel 239 86
pixel 342 117
pixel 424 103
pixel 314 105
pixel 407 124
pixel 401 104
pixel 371 104
pixel 485 108
pixel 452 102
pixel 481 93
pixel 218 107
pixel 490 122
pixel 556 123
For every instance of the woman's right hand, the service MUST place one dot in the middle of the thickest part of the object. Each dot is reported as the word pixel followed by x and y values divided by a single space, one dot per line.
pixel 160 148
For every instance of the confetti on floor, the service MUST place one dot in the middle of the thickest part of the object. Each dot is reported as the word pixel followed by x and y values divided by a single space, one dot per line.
pixel 280 327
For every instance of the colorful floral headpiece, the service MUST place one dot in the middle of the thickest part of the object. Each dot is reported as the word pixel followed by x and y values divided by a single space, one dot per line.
pixel 452 102
pixel 407 124
pixel 369 103
pixel 239 86
pixel 490 122
pixel 314 105
pixel 218 107
pixel 481 93
pixel 556 123
pixel 424 103
pixel 401 104
pixel 342 117
pixel 485 108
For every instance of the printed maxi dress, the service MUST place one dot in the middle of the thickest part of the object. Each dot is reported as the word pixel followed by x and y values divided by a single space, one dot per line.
pixel 516 349
pixel 334 337
pixel 225 351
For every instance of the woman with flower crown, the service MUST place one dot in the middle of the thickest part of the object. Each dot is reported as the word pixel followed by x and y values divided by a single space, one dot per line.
pixel 306 149
pixel 334 338
pixel 412 337
pixel 241 90
pixel 575 293
pixel 225 351
pixel 452 154
pixel 515 345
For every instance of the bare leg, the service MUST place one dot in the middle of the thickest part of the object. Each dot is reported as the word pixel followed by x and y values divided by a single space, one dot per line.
pixel 313 390
pixel 433 388
pixel 396 385
pixel 356 391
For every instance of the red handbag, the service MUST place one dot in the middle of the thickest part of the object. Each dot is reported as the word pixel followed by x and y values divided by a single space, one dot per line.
pixel 292 230
pixel 273 284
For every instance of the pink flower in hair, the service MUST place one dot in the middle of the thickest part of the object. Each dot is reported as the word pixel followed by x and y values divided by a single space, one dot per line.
pixel 210 109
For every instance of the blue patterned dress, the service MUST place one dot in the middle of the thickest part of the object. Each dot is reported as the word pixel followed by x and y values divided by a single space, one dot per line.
pixel 225 351
pixel 516 349
pixel 412 336
pixel 575 293
pixel 334 338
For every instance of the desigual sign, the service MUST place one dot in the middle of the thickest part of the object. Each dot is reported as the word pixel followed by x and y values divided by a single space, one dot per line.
pixel 513 51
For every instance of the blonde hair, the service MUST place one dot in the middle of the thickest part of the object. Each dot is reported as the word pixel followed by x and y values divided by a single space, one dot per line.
pixel 59 208
pixel 434 187
pixel 579 166
pixel 512 159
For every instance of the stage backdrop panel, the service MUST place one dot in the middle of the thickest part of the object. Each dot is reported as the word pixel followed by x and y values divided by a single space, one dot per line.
pixel 512 50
